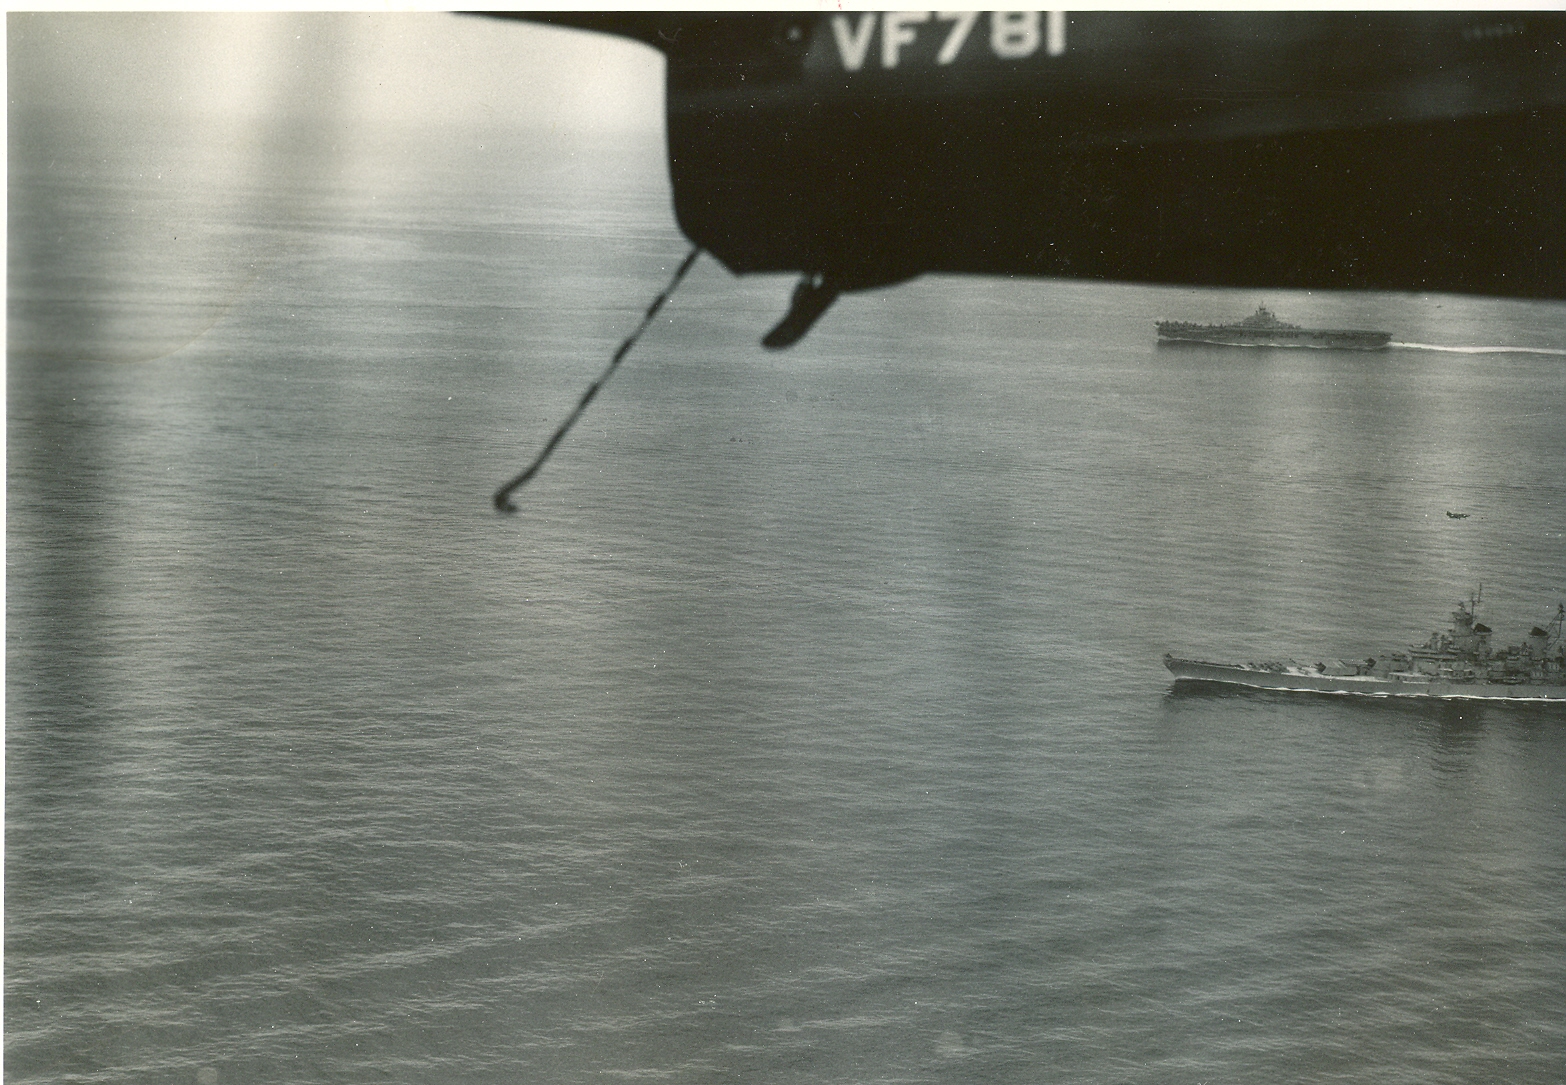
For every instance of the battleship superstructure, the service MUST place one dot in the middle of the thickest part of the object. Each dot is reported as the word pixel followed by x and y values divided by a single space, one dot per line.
pixel 1459 663
pixel 1263 329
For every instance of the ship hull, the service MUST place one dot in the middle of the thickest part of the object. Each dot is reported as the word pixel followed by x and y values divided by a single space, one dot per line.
pixel 1299 680
pixel 1301 337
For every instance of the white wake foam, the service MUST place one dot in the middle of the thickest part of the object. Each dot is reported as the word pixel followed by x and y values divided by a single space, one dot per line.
pixel 1479 350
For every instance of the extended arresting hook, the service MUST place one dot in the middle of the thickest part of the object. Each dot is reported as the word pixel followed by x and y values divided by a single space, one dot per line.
pixel 503 495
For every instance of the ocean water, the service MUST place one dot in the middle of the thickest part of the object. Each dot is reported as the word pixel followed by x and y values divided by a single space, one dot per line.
pixel 807 724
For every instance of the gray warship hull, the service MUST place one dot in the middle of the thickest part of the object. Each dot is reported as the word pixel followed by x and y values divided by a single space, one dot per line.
pixel 1235 336
pixel 1296 678
pixel 1263 329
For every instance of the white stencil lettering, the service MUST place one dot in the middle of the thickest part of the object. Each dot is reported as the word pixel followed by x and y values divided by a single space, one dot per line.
pixel 852 45
pixel 962 22
pixel 897 31
pixel 1055 33
pixel 1014 34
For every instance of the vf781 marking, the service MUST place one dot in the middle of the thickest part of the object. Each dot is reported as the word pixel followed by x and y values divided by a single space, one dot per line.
pixel 1014 35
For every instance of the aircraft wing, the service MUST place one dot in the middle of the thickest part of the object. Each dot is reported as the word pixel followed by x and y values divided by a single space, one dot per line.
pixel 1419 151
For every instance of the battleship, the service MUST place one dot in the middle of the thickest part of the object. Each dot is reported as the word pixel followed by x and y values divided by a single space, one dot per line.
pixel 1263 329
pixel 1457 664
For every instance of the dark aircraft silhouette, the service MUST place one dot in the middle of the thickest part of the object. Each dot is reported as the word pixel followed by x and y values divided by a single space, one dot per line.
pixel 1421 151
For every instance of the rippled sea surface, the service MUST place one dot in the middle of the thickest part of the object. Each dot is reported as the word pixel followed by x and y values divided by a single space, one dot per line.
pixel 808 722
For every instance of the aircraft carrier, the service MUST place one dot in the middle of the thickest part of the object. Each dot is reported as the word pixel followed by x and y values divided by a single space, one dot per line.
pixel 1263 329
